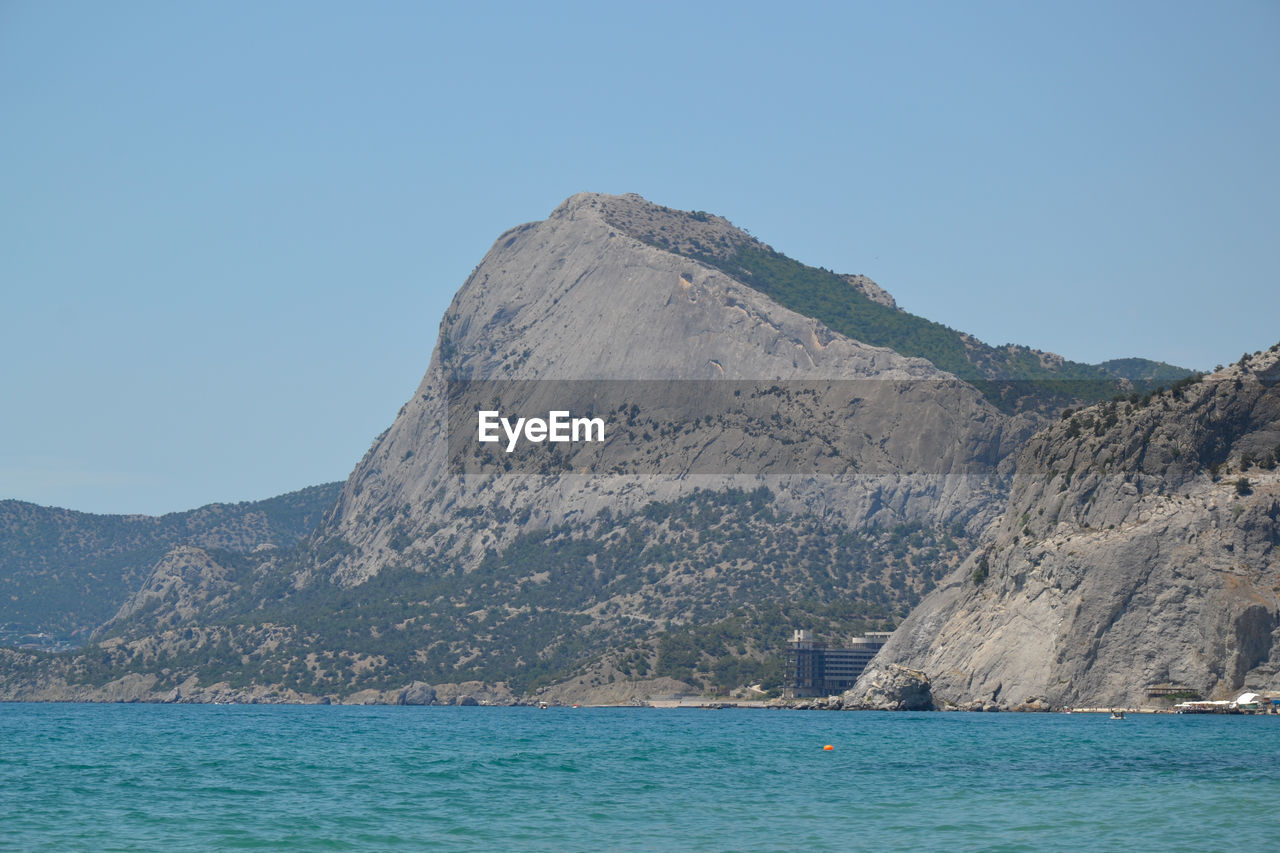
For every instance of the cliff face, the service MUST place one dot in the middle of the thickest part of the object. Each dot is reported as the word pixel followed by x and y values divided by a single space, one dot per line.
pixel 1139 548
pixel 580 296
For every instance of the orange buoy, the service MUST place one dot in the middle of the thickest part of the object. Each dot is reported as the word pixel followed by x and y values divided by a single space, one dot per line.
pixel 828 748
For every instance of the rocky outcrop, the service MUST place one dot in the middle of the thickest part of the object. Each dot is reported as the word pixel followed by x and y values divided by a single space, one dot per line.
pixel 185 582
pixel 418 693
pixel 890 687
pixel 872 291
pixel 578 297
pixel 1139 548
pixel 475 693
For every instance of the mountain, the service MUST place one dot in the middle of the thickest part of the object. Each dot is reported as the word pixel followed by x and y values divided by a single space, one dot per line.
pixel 686 550
pixel 1138 555
pixel 583 298
pixel 780 446
pixel 64 573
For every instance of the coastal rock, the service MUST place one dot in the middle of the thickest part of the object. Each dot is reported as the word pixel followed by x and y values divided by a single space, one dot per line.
pixel 134 687
pixel 366 697
pixel 1035 704
pixel 474 693
pixel 889 687
pixel 1139 548
pixel 417 693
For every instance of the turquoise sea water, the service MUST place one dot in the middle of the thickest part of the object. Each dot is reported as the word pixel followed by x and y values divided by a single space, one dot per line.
pixel 97 777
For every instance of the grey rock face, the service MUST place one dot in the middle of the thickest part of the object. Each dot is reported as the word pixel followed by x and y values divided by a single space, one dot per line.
pixel 890 687
pixel 577 297
pixel 185 582
pixel 1121 563
pixel 417 693
pixel 474 693
pixel 871 290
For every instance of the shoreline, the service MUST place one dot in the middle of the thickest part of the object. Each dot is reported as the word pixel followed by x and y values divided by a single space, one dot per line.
pixel 667 704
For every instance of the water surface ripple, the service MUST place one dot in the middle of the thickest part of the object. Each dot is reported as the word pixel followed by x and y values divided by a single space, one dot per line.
pixel 127 777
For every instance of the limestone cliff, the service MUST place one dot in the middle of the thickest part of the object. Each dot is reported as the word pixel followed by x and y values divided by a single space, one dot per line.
pixel 580 296
pixel 1139 548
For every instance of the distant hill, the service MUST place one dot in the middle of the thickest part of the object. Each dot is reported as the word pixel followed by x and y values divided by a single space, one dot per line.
pixel 63 573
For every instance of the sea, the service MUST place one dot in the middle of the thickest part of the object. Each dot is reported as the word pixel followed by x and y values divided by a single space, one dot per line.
pixel 257 777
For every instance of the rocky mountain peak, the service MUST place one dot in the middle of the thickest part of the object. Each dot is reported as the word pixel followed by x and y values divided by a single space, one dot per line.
pixel 616 288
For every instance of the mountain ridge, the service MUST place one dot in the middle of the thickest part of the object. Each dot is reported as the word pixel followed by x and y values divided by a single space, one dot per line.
pixel 568 580
pixel 63 572
pixel 868 313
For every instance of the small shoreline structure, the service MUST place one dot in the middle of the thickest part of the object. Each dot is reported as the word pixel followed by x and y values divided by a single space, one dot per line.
pixel 1245 703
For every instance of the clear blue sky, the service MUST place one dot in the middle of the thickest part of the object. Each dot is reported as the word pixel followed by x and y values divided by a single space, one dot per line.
pixel 228 230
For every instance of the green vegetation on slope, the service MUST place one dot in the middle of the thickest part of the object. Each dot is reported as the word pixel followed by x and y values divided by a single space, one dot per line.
pixel 1013 377
pixel 707 588
pixel 63 573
